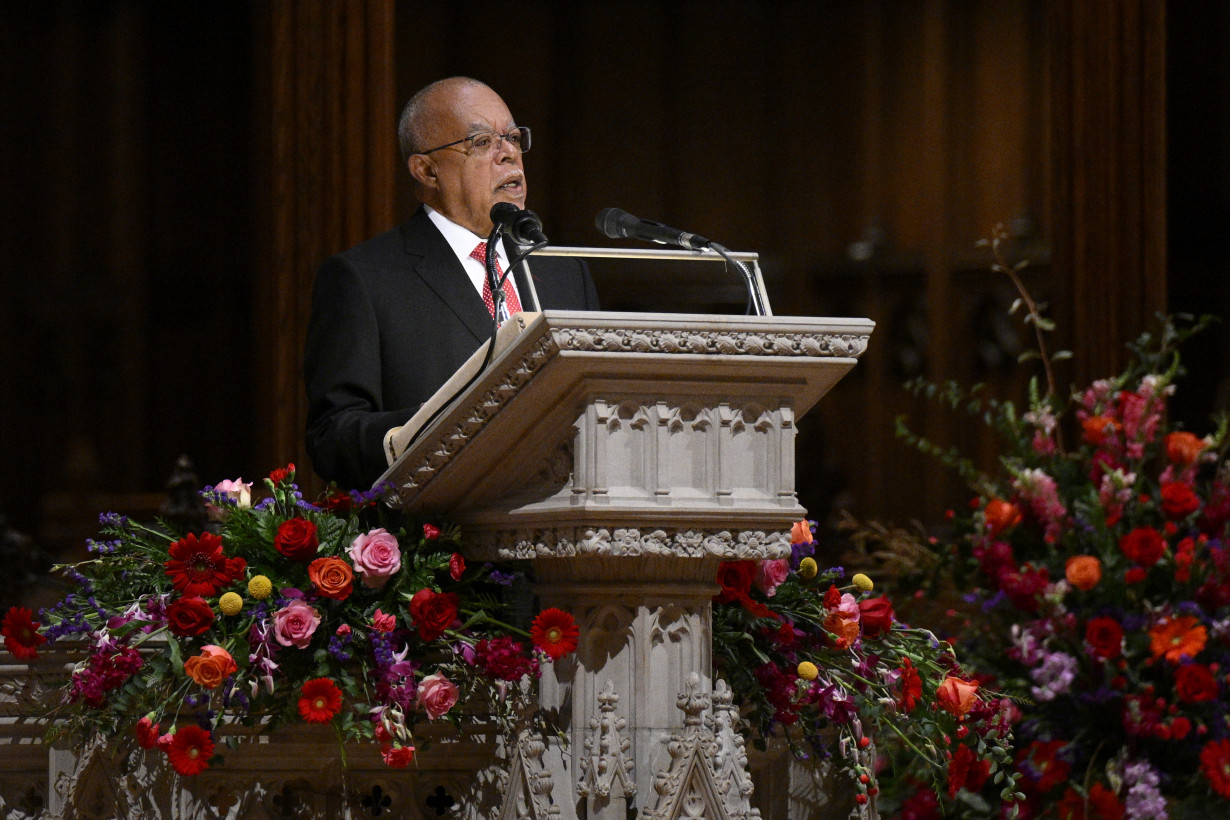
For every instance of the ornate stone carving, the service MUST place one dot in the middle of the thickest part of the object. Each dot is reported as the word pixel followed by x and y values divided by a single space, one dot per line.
pixel 528 794
pixel 629 542
pixel 719 342
pixel 707 776
pixel 607 765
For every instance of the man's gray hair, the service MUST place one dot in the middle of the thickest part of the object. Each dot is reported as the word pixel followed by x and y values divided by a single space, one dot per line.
pixel 415 117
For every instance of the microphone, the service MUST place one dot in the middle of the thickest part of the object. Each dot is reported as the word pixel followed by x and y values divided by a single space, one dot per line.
pixel 620 224
pixel 521 226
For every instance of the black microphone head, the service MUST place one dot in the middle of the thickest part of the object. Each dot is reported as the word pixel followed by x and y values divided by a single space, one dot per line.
pixel 503 212
pixel 613 222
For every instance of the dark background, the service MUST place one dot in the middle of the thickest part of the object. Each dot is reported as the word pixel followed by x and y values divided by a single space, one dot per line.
pixel 172 174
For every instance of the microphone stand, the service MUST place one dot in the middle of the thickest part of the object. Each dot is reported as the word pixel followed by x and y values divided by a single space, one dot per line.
pixel 755 306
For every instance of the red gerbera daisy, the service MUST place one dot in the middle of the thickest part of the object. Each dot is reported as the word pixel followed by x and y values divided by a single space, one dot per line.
pixel 555 632
pixel 319 700
pixel 20 632
pixel 198 567
pixel 190 750
pixel 1215 763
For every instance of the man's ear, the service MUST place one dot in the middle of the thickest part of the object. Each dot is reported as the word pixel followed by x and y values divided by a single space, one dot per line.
pixel 423 169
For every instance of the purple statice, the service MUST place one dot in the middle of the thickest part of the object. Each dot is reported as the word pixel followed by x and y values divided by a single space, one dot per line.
pixel 233 697
pixel 101 547
pixel 1054 677
pixel 339 645
pixel 504 579
pixel 110 519
pixel 800 551
pixel 265 503
pixel 1144 798
pixel 362 499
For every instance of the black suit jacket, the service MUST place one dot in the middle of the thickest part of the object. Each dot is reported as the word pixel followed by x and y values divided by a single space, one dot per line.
pixel 392 319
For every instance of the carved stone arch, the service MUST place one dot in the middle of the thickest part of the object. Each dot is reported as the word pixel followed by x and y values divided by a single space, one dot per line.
pixel 607 630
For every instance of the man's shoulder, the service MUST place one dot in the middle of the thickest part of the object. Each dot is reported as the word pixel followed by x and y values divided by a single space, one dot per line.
pixel 393 243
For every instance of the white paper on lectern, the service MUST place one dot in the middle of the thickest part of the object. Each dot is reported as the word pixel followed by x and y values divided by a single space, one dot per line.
pixel 399 438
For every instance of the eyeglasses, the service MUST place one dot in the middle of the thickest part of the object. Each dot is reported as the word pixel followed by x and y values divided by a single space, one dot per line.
pixel 485 142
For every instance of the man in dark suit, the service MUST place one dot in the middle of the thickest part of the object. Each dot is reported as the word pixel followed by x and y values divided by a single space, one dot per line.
pixel 394 317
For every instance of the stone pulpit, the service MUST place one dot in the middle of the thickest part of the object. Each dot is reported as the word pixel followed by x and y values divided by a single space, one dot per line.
pixel 626 456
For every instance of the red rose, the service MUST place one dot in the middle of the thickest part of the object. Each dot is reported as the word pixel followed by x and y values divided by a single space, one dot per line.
pixel 876 616
pixel 189 616
pixel 735 578
pixel 456 566
pixel 1195 683
pixel 431 532
pixel 433 612
pixel 297 539
pixel 1178 500
pixel 1143 545
pixel 1105 637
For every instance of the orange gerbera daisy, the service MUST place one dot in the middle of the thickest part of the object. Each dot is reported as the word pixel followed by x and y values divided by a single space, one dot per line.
pixel 1173 638
pixel 555 632
pixel 190 750
pixel 319 700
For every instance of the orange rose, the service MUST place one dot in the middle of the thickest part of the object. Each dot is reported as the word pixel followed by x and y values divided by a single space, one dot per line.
pixel 332 577
pixel 956 695
pixel 1183 448
pixel 1001 515
pixel 800 533
pixel 211 667
pixel 1083 572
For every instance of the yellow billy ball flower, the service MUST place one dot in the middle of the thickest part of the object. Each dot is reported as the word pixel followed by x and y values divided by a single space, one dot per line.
pixel 808 671
pixel 863 582
pixel 230 603
pixel 808 568
pixel 260 587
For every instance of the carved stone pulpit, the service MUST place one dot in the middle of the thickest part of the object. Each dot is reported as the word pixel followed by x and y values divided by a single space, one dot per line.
pixel 626 456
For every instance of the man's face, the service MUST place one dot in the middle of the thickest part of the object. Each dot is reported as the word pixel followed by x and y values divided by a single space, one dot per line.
pixel 463 186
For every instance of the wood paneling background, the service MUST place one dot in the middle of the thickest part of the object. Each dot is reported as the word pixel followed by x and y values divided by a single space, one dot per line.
pixel 173 177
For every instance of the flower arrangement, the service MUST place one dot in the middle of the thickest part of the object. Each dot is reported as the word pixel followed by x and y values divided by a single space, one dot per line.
pixel 1096 578
pixel 286 611
pixel 831 667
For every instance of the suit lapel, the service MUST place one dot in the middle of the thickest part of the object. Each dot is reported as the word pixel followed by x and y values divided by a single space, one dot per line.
pixel 432 259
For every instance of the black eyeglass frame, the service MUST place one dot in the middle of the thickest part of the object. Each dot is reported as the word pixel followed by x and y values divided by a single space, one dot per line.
pixel 523 130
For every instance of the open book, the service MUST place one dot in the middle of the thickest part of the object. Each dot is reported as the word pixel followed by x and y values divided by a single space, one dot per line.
pixel 399 439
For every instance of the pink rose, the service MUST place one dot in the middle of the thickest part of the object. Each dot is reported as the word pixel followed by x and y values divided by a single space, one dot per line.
pixel 238 491
pixel 376 556
pixel 437 694
pixel 295 623
pixel 770 574
pixel 383 622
